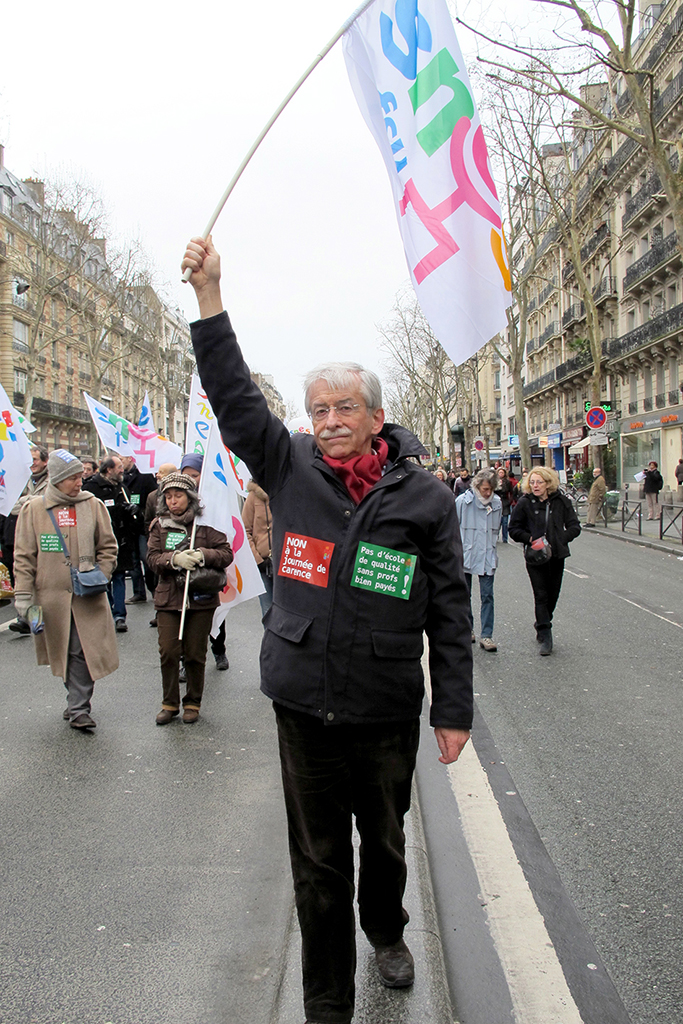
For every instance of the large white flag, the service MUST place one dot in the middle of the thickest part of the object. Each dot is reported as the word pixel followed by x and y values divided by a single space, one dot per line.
pixel 125 438
pixel 15 455
pixel 221 510
pixel 409 78
pixel 146 420
pixel 200 418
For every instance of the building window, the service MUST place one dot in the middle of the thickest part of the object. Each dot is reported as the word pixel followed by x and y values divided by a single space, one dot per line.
pixel 20 336
pixel 55 393
pixel 20 298
pixel 69 357
pixel 20 381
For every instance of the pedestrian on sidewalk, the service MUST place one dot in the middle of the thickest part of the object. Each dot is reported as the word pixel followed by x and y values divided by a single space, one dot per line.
pixel 596 497
pixel 36 485
pixel 78 640
pixel 505 490
pixel 150 515
pixel 652 485
pixel 544 513
pixel 170 557
pixel 678 472
pixel 479 512
pixel 341 654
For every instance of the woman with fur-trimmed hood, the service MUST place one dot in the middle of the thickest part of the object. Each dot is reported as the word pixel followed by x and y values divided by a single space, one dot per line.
pixel 169 555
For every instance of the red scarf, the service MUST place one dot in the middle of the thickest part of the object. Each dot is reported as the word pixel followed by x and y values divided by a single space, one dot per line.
pixel 360 473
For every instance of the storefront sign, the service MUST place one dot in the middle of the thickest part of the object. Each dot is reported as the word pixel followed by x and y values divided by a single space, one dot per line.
pixel 554 440
pixel 543 441
pixel 571 435
pixel 513 440
pixel 652 421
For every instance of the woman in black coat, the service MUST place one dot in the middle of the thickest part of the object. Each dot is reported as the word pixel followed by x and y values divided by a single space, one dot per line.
pixel 543 511
pixel 652 485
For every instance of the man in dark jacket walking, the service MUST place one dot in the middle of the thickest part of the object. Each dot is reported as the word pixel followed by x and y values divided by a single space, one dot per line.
pixel 138 486
pixel 107 486
pixel 366 557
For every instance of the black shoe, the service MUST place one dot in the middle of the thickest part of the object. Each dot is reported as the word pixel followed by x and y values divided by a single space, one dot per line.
pixel 222 663
pixel 589 526
pixel 546 645
pixel 153 622
pixel 20 626
pixel 395 965
pixel 65 714
pixel 136 599
pixel 83 722
pixel 121 626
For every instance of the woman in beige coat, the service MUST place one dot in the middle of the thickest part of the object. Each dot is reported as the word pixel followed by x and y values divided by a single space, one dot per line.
pixel 78 641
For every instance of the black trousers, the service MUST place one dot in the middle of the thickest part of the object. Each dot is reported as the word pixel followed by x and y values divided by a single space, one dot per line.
pixel 329 774
pixel 546 583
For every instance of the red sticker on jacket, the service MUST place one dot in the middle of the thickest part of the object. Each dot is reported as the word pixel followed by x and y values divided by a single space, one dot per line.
pixel 306 559
pixel 66 517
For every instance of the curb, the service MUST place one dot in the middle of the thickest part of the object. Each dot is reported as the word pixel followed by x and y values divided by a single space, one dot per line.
pixel 655 545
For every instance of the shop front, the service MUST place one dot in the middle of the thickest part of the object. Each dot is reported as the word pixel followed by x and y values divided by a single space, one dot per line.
pixel 653 437
pixel 573 460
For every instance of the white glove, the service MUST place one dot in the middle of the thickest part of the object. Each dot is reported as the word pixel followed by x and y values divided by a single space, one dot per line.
pixel 185 560
pixel 22 603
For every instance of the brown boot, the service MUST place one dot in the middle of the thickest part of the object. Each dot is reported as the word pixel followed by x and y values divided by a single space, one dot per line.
pixel 166 714
pixel 190 715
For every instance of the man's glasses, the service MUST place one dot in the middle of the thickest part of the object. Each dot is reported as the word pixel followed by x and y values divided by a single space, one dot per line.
pixel 344 410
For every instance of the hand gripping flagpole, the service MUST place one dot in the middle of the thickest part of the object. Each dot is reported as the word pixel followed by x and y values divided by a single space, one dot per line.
pixel 292 92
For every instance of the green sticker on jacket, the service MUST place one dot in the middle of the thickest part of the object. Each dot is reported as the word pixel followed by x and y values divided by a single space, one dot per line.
pixel 135 499
pixel 50 542
pixel 174 539
pixel 383 571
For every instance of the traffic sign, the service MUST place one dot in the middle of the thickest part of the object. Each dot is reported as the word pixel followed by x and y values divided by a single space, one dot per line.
pixel 596 417
pixel 479 444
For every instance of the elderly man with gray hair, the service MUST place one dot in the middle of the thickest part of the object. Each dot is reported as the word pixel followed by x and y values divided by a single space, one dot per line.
pixel 366 557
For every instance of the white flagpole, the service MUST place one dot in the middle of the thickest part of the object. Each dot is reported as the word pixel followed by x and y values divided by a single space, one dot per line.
pixel 292 92
pixel 187 573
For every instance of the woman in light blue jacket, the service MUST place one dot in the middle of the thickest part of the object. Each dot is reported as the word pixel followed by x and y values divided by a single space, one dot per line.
pixel 480 513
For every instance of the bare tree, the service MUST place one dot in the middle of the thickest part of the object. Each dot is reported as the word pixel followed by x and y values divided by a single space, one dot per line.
pixel 423 383
pixel 628 104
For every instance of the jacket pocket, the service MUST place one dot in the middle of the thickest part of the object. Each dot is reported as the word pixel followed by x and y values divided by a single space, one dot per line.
pixel 390 644
pixel 288 625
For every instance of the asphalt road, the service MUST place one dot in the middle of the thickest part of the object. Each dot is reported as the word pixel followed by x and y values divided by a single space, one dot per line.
pixel 144 870
pixel 592 739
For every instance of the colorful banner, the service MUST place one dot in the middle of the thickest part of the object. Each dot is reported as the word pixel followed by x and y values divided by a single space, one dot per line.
pixel 200 418
pixel 146 420
pixel 15 455
pixel 222 511
pixel 409 78
pixel 125 438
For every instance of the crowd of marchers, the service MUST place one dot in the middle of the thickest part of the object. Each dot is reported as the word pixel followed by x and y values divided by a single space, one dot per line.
pixel 81 529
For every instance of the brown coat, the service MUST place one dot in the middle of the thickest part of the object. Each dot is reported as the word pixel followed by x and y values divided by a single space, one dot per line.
pixel 168 596
pixel 598 490
pixel 258 522
pixel 46 575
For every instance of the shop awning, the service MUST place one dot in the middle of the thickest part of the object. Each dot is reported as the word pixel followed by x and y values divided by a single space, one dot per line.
pixel 596 440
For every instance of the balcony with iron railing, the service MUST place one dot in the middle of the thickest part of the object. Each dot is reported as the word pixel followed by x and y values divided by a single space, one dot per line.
pixel 534 386
pixel 551 331
pixel 632 408
pixel 531 345
pixel 657 257
pixel 660 400
pixel 43 408
pixel 595 240
pixel 567 271
pixel 547 292
pixel 674 397
pixel 575 313
pixel 647 405
pixel 621 157
pixel 643 198
pixel 531 306
pixel 20 346
pixel 607 289
pixel 3 250
pixel 659 327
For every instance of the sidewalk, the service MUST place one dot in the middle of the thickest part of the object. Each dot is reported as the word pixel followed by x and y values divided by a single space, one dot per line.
pixel 670 544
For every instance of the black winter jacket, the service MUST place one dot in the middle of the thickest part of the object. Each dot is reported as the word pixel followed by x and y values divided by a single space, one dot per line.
pixel 126 520
pixel 138 486
pixel 527 522
pixel 652 482
pixel 331 649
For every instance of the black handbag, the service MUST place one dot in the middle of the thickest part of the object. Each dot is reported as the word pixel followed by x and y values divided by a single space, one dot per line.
pixel 84 582
pixel 204 580
pixel 539 556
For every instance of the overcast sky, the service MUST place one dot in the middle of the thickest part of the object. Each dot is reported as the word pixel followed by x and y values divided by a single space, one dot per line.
pixel 155 104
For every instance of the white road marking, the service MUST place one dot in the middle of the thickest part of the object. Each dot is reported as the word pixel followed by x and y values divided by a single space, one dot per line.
pixel 579 575
pixel 643 609
pixel 538 989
